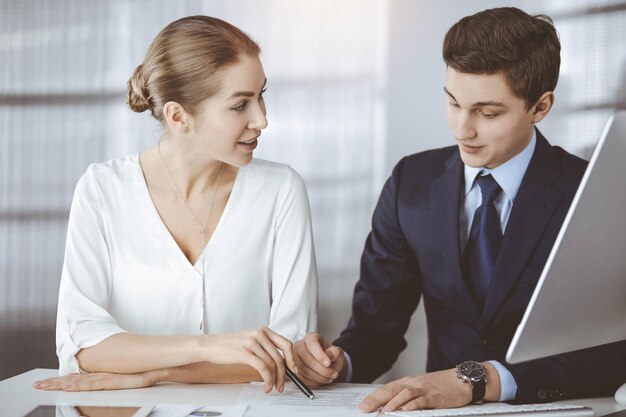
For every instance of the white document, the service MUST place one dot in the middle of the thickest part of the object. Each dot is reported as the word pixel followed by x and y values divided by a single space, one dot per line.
pixel 174 410
pixel 221 411
pixel 330 400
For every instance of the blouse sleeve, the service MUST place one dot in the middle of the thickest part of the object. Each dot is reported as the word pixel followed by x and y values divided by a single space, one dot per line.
pixel 82 316
pixel 294 274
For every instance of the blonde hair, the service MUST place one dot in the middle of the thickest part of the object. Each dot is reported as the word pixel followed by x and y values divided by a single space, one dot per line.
pixel 182 63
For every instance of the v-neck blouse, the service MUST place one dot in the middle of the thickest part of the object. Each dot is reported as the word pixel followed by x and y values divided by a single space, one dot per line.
pixel 124 272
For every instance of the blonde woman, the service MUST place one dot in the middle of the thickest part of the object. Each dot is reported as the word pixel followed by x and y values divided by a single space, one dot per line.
pixel 191 261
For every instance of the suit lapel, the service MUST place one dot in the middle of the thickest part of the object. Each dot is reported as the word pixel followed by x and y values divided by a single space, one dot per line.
pixel 534 206
pixel 445 202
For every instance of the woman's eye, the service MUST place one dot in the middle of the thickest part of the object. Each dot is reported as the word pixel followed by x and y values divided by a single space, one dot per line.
pixel 241 107
pixel 262 92
pixel 453 104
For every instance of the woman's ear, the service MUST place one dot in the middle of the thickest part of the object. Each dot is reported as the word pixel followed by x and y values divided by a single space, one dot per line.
pixel 176 118
pixel 542 106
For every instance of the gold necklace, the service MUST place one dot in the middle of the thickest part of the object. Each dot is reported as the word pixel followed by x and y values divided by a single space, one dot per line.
pixel 201 227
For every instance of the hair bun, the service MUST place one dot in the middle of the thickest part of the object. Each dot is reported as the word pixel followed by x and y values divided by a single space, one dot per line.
pixel 138 95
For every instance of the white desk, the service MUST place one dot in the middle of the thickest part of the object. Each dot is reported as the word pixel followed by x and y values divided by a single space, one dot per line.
pixel 18 397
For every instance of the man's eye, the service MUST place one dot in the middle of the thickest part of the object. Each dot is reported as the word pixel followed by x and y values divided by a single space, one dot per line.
pixel 487 115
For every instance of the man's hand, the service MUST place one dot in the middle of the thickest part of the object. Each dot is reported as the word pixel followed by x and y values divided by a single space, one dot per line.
pixel 318 361
pixel 433 390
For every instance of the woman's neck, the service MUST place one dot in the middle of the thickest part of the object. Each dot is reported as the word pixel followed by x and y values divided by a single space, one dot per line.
pixel 190 171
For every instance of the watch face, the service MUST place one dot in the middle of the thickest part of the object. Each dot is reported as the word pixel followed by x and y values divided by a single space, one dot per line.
pixel 473 370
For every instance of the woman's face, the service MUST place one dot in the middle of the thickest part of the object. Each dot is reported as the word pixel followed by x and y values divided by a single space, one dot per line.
pixel 227 125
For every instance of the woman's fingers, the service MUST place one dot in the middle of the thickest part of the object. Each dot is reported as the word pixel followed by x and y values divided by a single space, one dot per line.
pixel 262 368
pixel 285 345
pixel 260 348
pixel 49 383
pixel 96 382
pixel 271 348
pixel 257 349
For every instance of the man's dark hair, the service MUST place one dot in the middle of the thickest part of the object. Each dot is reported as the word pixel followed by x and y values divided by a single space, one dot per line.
pixel 525 48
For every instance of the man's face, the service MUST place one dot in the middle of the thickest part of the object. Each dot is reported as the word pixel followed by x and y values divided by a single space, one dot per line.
pixel 490 123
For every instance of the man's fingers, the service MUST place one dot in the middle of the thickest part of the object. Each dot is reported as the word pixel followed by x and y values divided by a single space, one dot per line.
pixel 314 367
pixel 310 374
pixel 334 353
pixel 380 397
pixel 309 382
pixel 313 343
pixel 419 403
pixel 403 397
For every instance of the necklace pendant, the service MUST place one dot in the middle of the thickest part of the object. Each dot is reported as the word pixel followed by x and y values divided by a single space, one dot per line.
pixel 202 317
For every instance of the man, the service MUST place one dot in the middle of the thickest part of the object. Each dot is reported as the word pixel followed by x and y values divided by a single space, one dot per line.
pixel 469 228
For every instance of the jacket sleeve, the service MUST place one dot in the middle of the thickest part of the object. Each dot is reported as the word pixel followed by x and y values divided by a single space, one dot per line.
pixel 386 294
pixel 594 372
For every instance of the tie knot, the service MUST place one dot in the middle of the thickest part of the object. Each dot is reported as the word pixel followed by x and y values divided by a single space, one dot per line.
pixel 489 188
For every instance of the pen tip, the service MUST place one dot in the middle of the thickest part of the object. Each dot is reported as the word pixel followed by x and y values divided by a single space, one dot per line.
pixel 312 396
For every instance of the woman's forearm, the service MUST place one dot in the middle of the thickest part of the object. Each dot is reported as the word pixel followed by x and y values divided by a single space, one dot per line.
pixel 127 353
pixel 258 348
pixel 207 373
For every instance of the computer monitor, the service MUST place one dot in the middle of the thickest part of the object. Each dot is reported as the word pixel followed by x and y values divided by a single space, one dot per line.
pixel 580 299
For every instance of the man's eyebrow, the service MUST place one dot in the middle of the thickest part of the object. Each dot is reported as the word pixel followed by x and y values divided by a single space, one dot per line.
pixel 449 93
pixel 246 93
pixel 478 103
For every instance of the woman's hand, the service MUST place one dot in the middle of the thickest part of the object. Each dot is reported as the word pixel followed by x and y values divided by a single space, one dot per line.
pixel 260 348
pixel 98 381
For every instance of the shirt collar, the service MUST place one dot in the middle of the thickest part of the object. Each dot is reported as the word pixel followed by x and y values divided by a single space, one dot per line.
pixel 509 175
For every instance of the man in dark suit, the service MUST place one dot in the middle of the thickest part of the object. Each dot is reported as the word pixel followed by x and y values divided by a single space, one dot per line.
pixel 469 228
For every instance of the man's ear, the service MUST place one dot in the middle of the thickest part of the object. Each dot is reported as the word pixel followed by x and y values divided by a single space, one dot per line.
pixel 176 118
pixel 542 106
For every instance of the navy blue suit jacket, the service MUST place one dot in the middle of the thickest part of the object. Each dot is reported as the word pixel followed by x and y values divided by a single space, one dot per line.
pixel 413 251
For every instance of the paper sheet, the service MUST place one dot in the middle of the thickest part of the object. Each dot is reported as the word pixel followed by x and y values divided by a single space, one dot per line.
pixel 329 400
pixel 221 411
pixel 164 410
pixel 172 410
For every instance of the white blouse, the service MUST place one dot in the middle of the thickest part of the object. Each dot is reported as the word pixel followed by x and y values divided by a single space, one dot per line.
pixel 124 272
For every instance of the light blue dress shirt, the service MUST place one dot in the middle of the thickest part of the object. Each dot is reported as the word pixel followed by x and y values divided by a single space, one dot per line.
pixel 509 176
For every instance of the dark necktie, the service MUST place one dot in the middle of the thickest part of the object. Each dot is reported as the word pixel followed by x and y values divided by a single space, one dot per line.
pixel 483 244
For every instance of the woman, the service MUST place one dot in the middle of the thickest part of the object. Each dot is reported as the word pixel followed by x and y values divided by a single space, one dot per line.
pixel 172 252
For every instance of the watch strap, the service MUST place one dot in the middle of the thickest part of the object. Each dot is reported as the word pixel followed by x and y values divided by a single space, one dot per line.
pixel 478 391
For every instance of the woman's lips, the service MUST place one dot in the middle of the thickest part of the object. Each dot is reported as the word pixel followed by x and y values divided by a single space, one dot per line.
pixel 250 146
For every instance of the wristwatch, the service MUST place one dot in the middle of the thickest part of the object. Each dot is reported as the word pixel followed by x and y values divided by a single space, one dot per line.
pixel 476 375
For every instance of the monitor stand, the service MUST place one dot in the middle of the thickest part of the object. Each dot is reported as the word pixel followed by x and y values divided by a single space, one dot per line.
pixel 620 395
